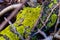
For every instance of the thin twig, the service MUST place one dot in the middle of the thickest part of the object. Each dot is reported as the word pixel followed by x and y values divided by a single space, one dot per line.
pixel 42 21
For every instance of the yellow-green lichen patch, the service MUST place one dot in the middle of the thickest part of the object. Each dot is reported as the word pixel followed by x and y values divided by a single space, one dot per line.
pixel 1 38
pixel 9 34
pixel 29 16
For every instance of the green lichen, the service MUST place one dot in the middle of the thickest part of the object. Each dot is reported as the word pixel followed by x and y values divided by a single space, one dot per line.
pixel 55 1
pixel 53 19
pixel 52 3
pixel 26 17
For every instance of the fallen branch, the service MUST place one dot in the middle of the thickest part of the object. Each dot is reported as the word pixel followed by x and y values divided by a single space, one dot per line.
pixel 9 8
